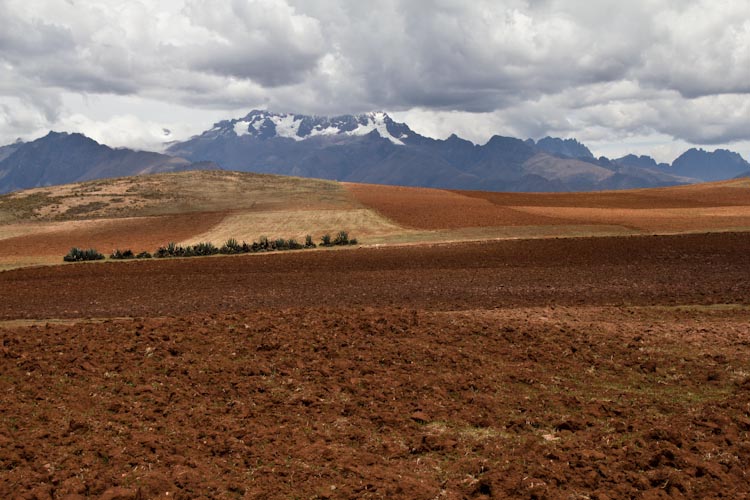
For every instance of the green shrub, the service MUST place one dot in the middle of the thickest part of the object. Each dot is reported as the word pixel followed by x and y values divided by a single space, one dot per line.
pixel 143 255
pixel 280 244
pixel 342 238
pixel 168 251
pixel 201 249
pixel 78 255
pixel 122 254
pixel 231 246
pixel 263 244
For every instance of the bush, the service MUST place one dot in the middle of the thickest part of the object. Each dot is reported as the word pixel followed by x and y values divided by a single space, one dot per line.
pixel 232 246
pixel 280 244
pixel 263 244
pixel 353 241
pixel 122 254
pixel 168 251
pixel 342 238
pixel 309 242
pixel 143 255
pixel 292 244
pixel 78 255
pixel 325 240
pixel 201 249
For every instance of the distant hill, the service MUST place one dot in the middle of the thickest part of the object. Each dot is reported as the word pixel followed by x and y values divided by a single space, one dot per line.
pixel 706 166
pixel 60 158
pixel 373 148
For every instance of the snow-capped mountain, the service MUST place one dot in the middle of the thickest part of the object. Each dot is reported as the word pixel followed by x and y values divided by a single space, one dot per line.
pixel 265 125
pixel 374 148
pixel 371 148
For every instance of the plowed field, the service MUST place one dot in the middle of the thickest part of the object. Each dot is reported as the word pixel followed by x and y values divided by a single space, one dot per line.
pixel 570 368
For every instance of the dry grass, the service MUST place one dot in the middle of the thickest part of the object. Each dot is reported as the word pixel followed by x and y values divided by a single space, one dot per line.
pixel 249 226
pixel 166 194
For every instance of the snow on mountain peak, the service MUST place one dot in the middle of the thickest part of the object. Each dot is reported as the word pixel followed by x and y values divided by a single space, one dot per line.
pixel 264 124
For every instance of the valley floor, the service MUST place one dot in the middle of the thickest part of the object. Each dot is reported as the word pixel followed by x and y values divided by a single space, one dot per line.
pixel 555 368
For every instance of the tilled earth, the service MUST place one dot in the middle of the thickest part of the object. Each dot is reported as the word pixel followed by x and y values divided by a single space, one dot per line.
pixel 589 368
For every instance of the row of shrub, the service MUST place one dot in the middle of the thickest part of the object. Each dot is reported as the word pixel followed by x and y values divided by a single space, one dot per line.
pixel 230 247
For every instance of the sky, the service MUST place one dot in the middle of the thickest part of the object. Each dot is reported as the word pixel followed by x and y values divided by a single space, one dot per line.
pixel 649 77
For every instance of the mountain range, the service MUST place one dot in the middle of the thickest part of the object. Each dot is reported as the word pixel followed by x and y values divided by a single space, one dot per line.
pixel 369 148
pixel 373 148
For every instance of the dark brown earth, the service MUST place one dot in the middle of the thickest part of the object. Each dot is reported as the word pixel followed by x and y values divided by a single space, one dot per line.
pixel 638 270
pixel 573 368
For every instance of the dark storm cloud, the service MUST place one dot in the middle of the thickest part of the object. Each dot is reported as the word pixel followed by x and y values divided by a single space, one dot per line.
pixel 541 66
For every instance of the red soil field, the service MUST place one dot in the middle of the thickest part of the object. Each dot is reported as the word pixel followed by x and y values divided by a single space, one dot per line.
pixel 721 194
pixel 386 403
pixel 572 368
pixel 423 208
pixel 442 209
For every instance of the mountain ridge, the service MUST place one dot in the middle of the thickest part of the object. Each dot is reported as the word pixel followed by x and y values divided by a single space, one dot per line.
pixel 368 147
pixel 374 148
pixel 61 158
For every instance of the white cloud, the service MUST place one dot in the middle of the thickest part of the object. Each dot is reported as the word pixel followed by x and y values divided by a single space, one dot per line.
pixel 606 71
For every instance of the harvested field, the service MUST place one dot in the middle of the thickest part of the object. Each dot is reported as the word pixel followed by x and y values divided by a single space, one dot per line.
pixel 249 226
pixel 571 368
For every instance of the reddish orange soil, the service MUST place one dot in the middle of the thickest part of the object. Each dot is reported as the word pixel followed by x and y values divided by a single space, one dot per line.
pixel 143 233
pixel 718 194
pixel 441 209
pixel 527 369
pixel 423 208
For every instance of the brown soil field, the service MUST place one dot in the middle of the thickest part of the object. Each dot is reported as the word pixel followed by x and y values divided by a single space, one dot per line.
pixel 555 368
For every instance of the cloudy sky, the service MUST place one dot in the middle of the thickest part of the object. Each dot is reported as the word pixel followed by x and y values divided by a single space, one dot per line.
pixel 645 76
